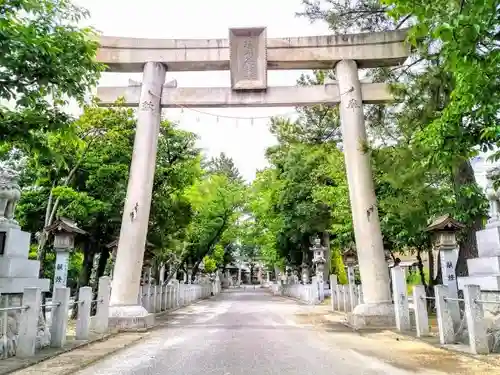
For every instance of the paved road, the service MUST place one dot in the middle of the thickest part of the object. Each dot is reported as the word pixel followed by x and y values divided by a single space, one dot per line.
pixel 239 333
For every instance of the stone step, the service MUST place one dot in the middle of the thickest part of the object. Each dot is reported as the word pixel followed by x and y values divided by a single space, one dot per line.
pixel 485 282
pixel 484 266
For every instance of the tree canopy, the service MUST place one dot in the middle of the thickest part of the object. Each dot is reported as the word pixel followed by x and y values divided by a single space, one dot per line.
pixel 446 112
pixel 45 60
pixel 203 213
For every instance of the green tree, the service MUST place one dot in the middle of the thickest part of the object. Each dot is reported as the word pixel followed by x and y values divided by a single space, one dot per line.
pixel 86 180
pixel 45 59
pixel 215 201
pixel 223 164
pixel 429 138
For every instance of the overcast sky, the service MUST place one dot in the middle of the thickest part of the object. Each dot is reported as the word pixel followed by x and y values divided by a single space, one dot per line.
pixel 243 141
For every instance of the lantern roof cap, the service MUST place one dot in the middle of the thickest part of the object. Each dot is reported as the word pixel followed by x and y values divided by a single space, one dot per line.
pixel 350 251
pixel 63 224
pixel 444 223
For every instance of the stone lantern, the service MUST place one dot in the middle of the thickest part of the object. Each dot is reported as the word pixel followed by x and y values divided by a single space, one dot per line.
pixel 493 195
pixel 350 258
pixel 318 258
pixel 319 263
pixel 64 231
pixel 443 232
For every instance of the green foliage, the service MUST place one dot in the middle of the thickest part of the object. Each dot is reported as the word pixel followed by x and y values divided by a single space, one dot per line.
pixel 224 165
pixel 447 111
pixel 85 178
pixel 45 58
pixel 337 266
pixel 304 191
pixel 210 264
pixel 215 200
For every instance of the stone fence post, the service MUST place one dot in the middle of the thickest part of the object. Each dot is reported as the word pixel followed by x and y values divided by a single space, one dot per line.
pixel 171 297
pixel 474 314
pixel 420 308
pixel 333 291
pixel 83 318
pixel 346 296
pixel 157 299
pixel 340 299
pixel 177 286
pixel 351 285
pixel 401 307
pixel 444 318
pixel 28 322
pixel 101 319
pixel 360 294
pixel 59 312
pixel 164 300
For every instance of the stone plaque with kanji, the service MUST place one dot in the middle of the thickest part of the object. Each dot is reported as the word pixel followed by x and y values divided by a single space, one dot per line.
pixel 248 58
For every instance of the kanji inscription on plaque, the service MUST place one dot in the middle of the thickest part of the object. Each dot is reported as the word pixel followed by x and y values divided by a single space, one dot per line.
pixel 248 58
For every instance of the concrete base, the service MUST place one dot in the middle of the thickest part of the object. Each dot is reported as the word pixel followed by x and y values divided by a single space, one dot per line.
pixel 130 318
pixel 379 315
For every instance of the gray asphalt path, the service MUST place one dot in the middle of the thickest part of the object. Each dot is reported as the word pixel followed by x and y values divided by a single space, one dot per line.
pixel 238 333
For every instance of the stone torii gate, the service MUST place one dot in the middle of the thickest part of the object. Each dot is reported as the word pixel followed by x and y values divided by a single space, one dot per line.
pixel 248 54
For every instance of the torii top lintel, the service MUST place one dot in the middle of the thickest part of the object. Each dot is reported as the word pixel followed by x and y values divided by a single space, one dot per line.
pixel 309 52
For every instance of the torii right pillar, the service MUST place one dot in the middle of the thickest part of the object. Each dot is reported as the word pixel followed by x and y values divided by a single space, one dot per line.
pixel 377 309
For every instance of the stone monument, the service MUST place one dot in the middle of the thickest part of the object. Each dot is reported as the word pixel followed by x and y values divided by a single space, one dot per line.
pixel 493 198
pixel 485 270
pixel 16 270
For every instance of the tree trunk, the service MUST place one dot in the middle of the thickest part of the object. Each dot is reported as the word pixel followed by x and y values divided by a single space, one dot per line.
pixel 101 267
pixel 420 266
pixel 86 271
pixel 328 256
pixel 464 175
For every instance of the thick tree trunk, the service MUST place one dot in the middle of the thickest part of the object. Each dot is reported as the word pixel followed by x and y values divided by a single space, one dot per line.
pixel 328 256
pixel 86 271
pixel 464 175
pixel 101 267
pixel 420 266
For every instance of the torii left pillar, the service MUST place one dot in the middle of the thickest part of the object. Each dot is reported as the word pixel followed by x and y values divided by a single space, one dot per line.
pixel 125 311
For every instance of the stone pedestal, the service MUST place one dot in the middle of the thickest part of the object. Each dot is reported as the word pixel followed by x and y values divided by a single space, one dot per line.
pixel 16 270
pixel 485 272
pixel 16 273
pixel 124 311
pixel 372 265
pixel 130 317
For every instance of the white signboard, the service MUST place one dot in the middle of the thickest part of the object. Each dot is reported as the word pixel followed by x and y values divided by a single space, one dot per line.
pixel 61 269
